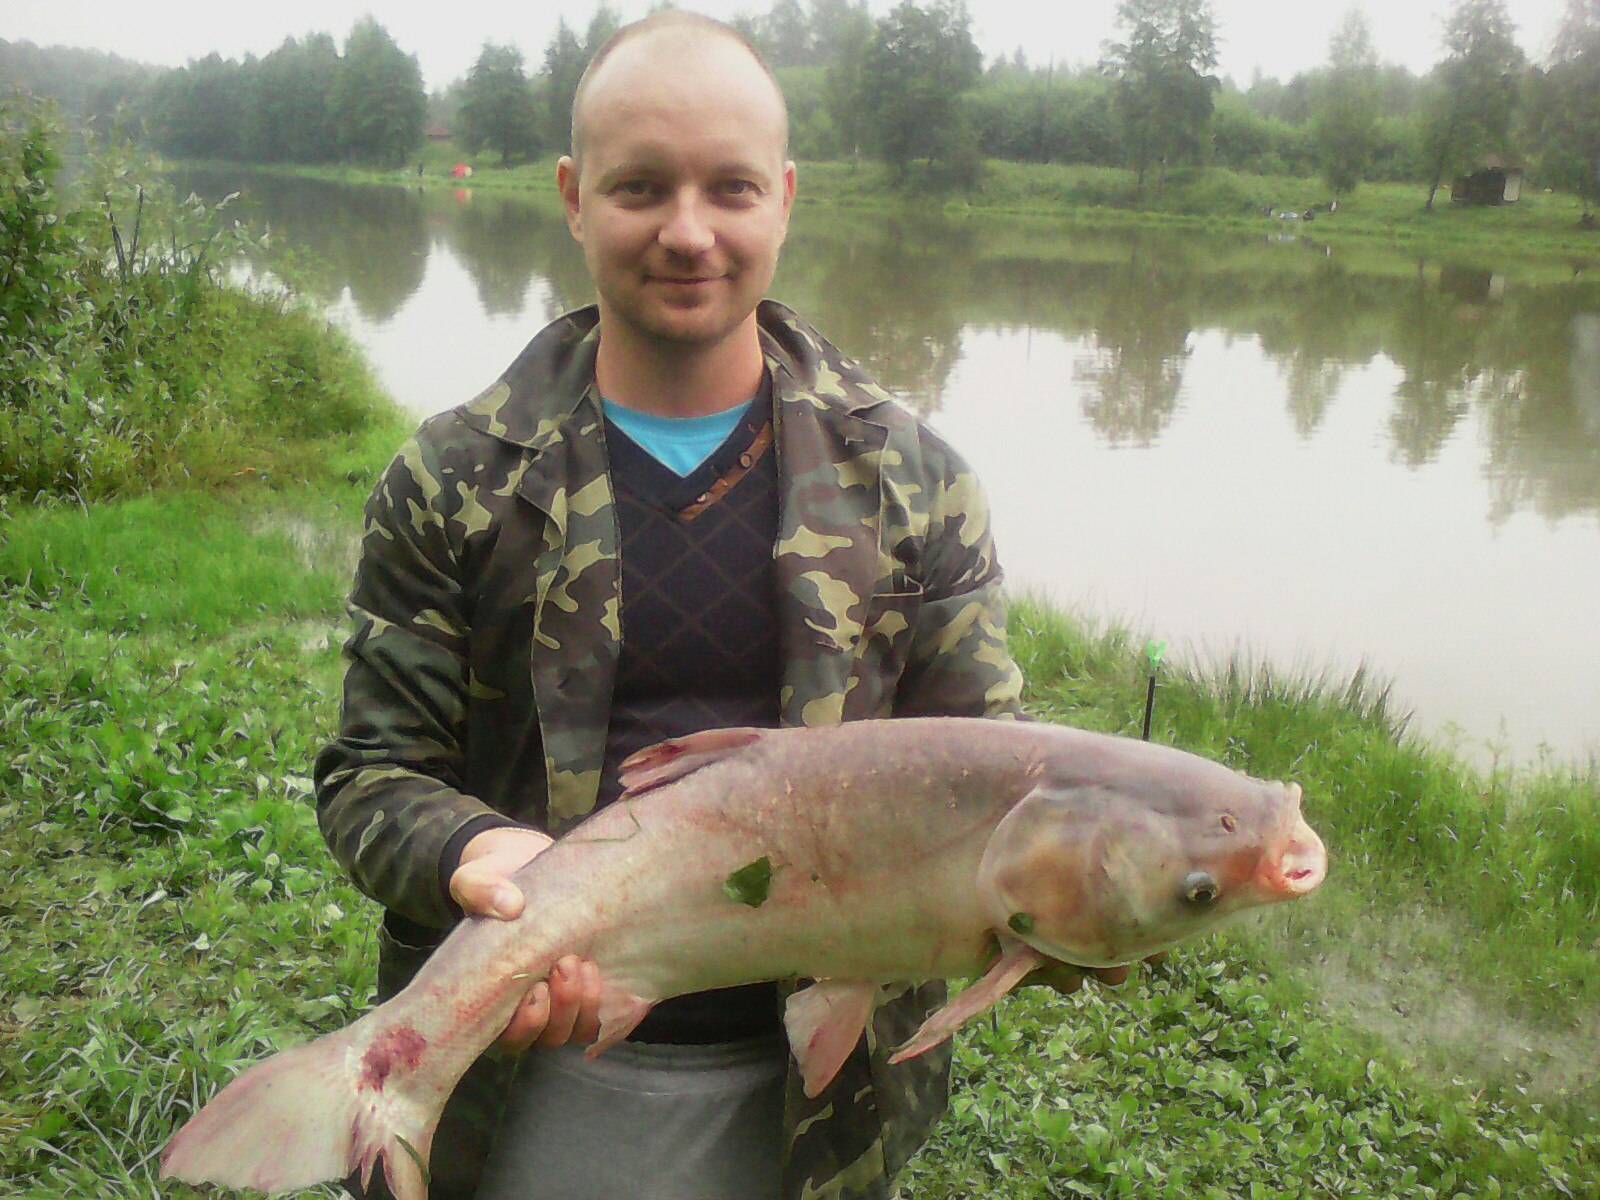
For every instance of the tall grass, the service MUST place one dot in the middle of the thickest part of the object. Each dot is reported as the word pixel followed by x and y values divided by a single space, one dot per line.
pixel 1518 854
pixel 127 363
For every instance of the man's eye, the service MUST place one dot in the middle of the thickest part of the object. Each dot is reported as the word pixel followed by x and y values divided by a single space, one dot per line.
pixel 635 187
pixel 739 187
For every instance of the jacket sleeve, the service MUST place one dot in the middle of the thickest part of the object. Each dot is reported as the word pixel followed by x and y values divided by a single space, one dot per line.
pixel 958 664
pixel 389 787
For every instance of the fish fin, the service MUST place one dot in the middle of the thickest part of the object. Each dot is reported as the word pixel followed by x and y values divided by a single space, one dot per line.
pixel 1015 963
pixel 824 1022
pixel 670 760
pixel 620 1014
pixel 312 1114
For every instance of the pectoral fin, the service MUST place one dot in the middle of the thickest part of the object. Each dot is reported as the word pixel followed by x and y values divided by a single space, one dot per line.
pixel 620 1013
pixel 1008 971
pixel 824 1023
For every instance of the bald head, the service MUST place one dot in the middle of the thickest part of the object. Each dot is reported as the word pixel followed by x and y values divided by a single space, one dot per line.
pixel 674 45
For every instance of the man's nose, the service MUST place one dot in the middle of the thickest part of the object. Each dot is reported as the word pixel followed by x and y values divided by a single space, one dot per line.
pixel 687 229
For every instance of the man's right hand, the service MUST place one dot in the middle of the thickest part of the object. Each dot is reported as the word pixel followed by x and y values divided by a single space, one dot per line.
pixel 567 1007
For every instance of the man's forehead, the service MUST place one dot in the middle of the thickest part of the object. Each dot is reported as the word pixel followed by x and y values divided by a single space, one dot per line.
pixel 689 78
pixel 683 52
pixel 674 128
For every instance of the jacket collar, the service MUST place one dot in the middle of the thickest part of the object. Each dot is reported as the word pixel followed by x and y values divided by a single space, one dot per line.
pixel 549 380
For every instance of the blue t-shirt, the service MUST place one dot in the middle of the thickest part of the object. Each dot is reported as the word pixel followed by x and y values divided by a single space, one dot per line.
pixel 678 443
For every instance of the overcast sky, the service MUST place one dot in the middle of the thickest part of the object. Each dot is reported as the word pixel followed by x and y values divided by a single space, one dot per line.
pixel 1280 37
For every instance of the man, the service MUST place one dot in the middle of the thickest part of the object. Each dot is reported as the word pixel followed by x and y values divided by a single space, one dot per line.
pixel 679 510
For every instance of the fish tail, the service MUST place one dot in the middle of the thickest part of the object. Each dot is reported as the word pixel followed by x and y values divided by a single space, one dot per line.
pixel 324 1111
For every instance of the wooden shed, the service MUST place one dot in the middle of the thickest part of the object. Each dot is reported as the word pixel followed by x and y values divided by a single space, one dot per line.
pixel 1491 184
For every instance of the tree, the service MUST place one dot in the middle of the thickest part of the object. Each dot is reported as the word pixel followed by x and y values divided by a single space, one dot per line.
pixel 1474 91
pixel 1344 129
pixel 379 97
pixel 1164 91
pixel 497 105
pixel 836 27
pixel 292 117
pixel 919 64
pixel 564 61
pixel 785 36
pixel 845 33
pixel 199 110
pixel 566 55
pixel 1566 99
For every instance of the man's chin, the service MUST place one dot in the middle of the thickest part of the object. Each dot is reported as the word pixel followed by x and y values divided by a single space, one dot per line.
pixel 691 326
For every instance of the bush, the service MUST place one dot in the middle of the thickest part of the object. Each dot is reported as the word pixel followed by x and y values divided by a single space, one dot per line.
pixel 126 360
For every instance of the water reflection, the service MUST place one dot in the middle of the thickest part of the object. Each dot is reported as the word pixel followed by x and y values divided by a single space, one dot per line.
pixel 371 242
pixel 902 291
pixel 1324 455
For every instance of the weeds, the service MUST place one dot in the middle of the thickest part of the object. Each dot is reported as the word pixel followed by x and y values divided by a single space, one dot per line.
pixel 126 362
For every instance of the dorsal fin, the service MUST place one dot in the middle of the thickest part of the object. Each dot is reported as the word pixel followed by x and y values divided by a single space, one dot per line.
pixel 673 759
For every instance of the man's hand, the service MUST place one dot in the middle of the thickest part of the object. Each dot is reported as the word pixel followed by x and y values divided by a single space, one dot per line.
pixel 1066 978
pixel 567 1007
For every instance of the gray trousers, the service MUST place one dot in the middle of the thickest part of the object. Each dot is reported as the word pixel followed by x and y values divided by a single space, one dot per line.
pixel 643 1122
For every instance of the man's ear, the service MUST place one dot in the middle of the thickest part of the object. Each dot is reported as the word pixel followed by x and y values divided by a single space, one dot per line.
pixel 788 197
pixel 567 185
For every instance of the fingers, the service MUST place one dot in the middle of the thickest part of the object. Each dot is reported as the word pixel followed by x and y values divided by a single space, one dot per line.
pixel 528 1022
pixel 482 890
pixel 1112 976
pixel 566 1002
pixel 586 1029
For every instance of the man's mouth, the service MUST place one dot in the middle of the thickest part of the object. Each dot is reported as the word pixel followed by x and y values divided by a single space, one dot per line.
pixel 685 280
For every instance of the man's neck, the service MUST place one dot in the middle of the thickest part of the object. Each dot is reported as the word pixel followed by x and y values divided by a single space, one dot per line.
pixel 677 380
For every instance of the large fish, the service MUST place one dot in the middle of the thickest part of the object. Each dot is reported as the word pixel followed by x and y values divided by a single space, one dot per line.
pixel 860 855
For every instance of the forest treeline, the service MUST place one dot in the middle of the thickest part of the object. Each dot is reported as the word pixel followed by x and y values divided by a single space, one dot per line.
pixel 911 89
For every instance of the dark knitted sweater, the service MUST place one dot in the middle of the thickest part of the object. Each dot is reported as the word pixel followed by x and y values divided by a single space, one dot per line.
pixel 699 649
pixel 699 641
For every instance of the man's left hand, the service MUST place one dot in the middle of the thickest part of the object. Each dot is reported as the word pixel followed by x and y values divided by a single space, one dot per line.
pixel 1066 978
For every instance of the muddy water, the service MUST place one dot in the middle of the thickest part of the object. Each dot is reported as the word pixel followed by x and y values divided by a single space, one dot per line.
pixel 1318 456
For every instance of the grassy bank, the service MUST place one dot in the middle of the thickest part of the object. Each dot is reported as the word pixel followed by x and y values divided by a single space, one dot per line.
pixel 169 666
pixel 1214 198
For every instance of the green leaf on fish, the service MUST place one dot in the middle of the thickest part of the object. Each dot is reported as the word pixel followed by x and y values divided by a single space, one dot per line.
pixel 750 883
pixel 1021 922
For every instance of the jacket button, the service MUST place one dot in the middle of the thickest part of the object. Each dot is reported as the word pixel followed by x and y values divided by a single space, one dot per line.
pixel 745 460
pixel 704 496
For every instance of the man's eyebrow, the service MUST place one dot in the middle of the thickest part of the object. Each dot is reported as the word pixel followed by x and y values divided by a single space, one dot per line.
pixel 650 164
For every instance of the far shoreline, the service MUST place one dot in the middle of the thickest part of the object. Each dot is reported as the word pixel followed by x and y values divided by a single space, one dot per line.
pixel 1200 200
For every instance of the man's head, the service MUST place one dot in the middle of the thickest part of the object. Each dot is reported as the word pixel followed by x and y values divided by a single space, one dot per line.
pixel 678 187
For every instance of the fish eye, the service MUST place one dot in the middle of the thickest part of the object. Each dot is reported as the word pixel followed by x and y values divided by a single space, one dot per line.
pixel 1200 888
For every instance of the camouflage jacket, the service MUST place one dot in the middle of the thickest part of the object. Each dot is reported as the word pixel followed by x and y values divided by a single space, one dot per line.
pixel 486 633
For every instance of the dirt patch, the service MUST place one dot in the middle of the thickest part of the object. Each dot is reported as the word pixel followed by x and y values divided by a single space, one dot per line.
pixel 318 545
pixel 1392 976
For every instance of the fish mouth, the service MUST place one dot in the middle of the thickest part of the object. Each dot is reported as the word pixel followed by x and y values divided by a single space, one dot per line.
pixel 1304 865
pixel 1301 866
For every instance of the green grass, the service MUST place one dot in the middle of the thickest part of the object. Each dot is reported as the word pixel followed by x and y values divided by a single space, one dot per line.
pixel 177 916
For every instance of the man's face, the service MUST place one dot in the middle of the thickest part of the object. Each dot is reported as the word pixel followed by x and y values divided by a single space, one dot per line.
pixel 682 198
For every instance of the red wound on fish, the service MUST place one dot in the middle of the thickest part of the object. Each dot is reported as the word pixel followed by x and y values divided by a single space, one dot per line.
pixel 400 1047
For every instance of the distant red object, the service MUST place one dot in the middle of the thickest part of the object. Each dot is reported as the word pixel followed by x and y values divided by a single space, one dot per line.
pixel 461 171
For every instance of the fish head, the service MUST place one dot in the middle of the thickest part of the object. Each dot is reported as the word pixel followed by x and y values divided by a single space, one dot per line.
pixel 1104 873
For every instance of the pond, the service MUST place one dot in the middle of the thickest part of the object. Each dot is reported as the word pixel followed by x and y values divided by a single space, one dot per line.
pixel 1313 456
